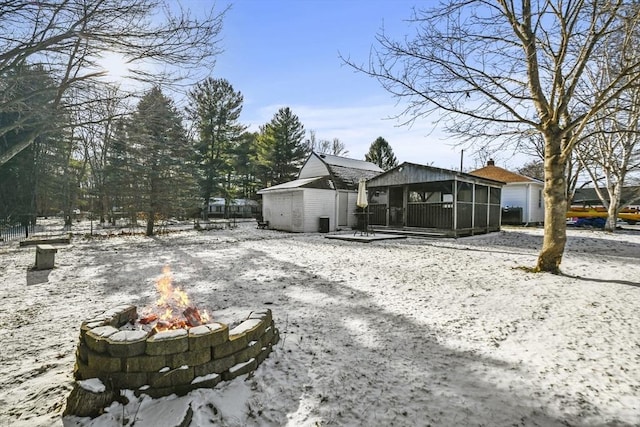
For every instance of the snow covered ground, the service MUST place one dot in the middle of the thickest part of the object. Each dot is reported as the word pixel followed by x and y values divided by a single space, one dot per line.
pixel 413 332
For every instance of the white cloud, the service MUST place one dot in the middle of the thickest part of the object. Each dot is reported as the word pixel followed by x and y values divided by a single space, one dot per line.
pixel 358 126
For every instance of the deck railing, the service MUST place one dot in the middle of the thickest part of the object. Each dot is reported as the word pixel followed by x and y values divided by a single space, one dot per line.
pixel 430 215
pixel 377 214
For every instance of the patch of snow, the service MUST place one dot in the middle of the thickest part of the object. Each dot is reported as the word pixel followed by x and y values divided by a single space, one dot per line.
pixel 199 330
pixel 245 326
pixel 214 326
pixel 104 331
pixel 403 332
pixel 239 366
pixel 129 336
pixel 204 378
pixel 93 385
pixel 170 334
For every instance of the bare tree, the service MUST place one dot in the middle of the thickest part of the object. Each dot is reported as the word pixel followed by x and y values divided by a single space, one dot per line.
pixel 612 150
pixel 95 138
pixel 534 145
pixel 495 70
pixel 533 169
pixel 334 147
pixel 66 39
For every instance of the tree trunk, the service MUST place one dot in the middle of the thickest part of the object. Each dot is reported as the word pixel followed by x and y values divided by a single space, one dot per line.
pixel 555 209
pixel 150 218
pixel 613 208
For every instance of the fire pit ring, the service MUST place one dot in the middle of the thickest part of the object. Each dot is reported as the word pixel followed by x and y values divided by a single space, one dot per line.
pixel 170 361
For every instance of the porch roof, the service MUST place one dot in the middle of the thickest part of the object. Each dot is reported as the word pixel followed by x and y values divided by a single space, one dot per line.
pixel 319 182
pixel 412 173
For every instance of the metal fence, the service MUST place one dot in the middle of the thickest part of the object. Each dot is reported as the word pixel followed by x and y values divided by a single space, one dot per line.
pixel 11 231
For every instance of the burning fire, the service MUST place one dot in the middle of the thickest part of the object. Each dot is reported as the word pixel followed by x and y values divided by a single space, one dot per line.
pixel 175 306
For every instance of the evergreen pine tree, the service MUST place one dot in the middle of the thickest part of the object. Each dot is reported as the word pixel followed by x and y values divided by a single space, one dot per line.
pixel 280 149
pixel 215 112
pixel 245 165
pixel 381 154
pixel 160 149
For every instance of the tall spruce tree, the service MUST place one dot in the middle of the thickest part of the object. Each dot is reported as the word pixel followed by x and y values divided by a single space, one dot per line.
pixel 215 110
pixel 245 165
pixel 121 187
pixel 381 154
pixel 160 149
pixel 281 148
pixel 28 181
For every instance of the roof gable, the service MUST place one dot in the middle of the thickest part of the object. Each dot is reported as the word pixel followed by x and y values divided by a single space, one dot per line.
pixel 344 172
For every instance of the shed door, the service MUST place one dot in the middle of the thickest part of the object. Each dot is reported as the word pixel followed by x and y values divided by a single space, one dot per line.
pixel 396 206
pixel 280 211
pixel 343 208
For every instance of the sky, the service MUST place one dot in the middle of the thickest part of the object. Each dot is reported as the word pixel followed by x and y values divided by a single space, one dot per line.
pixel 281 53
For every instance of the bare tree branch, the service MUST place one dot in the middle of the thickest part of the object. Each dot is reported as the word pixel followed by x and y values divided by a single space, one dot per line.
pixel 66 39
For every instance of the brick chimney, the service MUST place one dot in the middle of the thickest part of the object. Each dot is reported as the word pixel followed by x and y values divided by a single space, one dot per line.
pixel 490 162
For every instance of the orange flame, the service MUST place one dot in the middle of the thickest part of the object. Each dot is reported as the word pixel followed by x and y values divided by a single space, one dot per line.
pixel 175 305
pixel 171 298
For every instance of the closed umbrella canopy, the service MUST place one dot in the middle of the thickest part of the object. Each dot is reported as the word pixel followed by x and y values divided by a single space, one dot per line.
pixel 362 202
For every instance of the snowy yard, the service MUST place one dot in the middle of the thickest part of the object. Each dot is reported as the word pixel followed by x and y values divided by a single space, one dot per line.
pixel 411 332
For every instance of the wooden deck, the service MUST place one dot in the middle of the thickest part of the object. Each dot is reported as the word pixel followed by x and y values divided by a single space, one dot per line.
pixel 364 237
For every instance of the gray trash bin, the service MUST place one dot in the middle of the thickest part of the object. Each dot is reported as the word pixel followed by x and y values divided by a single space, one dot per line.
pixel 324 224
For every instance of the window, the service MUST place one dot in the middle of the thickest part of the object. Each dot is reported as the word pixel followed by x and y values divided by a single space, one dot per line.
pixel 465 192
pixel 539 198
pixel 482 194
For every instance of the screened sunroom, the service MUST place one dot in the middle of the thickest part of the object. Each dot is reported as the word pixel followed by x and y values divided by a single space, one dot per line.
pixel 429 199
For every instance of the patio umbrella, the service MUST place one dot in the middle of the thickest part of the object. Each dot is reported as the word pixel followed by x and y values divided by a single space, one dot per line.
pixel 362 203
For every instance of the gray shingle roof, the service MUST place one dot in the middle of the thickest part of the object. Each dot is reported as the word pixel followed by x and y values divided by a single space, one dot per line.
pixel 322 182
pixel 346 173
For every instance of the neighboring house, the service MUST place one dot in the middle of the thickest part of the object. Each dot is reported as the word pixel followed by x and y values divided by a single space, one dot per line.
pixel 587 196
pixel 522 197
pixel 426 199
pixel 323 198
pixel 236 208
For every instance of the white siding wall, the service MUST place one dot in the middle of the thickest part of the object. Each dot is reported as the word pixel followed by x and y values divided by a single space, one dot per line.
pixel 353 199
pixel 318 203
pixel 343 208
pixel 514 196
pixel 536 203
pixel 524 195
pixel 312 168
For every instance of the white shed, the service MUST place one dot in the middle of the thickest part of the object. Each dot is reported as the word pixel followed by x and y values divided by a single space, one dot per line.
pixel 521 194
pixel 326 188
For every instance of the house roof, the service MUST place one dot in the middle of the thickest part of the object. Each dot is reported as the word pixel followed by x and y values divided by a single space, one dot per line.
pixel 491 171
pixel 412 173
pixel 235 202
pixel 588 195
pixel 346 162
pixel 320 182
pixel 329 173
pixel 346 173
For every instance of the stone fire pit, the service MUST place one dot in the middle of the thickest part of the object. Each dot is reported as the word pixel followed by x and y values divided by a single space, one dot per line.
pixel 166 362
